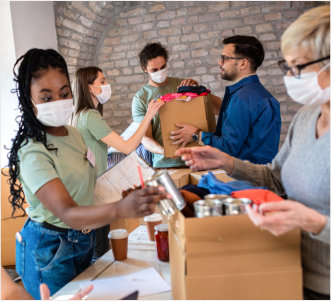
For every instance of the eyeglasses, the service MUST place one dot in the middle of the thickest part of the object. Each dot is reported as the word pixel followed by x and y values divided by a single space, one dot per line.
pixel 296 69
pixel 225 57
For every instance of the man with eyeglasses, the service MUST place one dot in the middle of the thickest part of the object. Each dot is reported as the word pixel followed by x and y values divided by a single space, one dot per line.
pixel 249 120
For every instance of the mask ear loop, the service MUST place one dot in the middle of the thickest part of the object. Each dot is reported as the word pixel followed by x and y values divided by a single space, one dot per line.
pixel 324 68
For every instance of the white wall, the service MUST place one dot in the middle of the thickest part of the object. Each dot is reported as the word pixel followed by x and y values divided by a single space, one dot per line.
pixel 23 25
pixel 33 25
pixel 7 60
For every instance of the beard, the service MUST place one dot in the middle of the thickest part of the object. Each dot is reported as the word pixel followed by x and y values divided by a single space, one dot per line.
pixel 230 76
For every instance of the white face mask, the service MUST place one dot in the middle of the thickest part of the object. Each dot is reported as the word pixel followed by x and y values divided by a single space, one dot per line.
pixel 55 113
pixel 159 76
pixel 105 94
pixel 306 90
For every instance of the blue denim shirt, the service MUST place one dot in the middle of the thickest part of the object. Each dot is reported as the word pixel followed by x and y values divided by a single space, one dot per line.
pixel 249 122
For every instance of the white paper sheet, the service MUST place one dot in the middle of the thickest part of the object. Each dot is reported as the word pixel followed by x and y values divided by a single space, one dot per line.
pixel 130 130
pixel 123 175
pixel 147 282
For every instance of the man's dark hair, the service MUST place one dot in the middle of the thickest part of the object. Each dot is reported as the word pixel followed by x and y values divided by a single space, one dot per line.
pixel 248 47
pixel 151 51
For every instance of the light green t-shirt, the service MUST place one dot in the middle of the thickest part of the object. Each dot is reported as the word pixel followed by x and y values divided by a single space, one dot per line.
pixel 139 108
pixel 93 127
pixel 39 165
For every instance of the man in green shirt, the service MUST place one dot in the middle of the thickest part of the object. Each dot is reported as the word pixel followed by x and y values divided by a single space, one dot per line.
pixel 153 60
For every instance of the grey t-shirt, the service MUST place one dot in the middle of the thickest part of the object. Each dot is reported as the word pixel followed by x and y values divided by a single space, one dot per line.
pixel 301 172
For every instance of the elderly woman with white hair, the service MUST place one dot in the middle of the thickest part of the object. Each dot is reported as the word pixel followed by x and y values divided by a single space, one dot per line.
pixel 301 170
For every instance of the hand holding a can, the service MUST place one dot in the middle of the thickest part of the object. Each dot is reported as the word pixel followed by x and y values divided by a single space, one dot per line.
pixel 140 202
pixel 281 217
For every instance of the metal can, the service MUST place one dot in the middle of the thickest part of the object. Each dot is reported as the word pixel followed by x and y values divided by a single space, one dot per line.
pixel 220 197
pixel 206 208
pixel 167 206
pixel 234 206
pixel 162 244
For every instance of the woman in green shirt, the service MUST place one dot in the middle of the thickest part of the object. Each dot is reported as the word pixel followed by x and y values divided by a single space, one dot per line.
pixel 91 90
pixel 57 179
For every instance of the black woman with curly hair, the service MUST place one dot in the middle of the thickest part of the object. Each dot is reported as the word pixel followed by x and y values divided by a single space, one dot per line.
pixel 57 177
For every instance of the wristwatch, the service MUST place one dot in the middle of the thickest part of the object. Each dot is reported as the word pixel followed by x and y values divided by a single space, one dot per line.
pixel 195 135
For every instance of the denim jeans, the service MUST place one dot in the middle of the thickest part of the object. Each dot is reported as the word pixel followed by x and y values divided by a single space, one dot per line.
pixel 51 257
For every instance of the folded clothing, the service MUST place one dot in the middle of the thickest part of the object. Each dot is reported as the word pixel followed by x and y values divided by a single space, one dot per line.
pixel 195 89
pixel 190 198
pixel 258 196
pixel 215 186
pixel 200 191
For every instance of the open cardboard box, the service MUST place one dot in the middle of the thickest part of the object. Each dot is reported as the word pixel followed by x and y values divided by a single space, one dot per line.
pixel 198 112
pixel 228 257
pixel 184 176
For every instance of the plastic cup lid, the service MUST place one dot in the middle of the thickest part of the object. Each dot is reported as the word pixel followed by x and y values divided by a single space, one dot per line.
pixel 161 227
pixel 118 233
pixel 153 217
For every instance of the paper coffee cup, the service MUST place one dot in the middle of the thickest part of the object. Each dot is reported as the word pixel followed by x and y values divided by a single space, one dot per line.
pixel 151 221
pixel 119 243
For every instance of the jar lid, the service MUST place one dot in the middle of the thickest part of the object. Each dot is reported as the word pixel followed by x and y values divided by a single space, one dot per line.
pixel 155 217
pixel 161 228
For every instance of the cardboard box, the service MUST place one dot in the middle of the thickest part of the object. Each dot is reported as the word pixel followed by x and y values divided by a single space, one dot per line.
pixel 9 224
pixel 180 176
pixel 198 112
pixel 220 174
pixel 229 258
pixel 125 223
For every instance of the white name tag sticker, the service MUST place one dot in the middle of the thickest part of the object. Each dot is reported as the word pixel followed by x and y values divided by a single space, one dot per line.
pixel 90 157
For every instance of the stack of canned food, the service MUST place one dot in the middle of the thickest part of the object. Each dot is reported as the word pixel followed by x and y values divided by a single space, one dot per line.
pixel 220 204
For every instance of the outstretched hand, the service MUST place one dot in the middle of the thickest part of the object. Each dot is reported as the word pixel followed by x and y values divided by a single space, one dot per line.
pixel 205 157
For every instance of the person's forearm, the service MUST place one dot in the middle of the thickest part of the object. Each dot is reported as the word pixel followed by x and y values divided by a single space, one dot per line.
pixel 91 217
pixel 314 222
pixel 152 146
pixel 133 142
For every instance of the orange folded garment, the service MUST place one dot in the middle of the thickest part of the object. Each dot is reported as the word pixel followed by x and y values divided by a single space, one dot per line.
pixel 190 198
pixel 258 196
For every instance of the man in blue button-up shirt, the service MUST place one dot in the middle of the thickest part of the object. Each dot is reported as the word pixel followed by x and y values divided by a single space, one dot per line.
pixel 249 121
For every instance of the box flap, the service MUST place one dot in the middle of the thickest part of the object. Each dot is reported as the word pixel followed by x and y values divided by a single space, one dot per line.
pixel 220 174
pixel 177 257
pixel 180 176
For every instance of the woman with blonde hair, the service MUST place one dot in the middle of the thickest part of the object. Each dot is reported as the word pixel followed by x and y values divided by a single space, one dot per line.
pixel 90 91
pixel 300 172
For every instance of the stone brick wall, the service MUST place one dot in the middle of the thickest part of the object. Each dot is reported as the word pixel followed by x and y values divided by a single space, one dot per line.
pixel 111 34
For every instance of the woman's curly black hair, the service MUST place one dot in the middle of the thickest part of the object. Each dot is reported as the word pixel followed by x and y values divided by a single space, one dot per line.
pixel 32 65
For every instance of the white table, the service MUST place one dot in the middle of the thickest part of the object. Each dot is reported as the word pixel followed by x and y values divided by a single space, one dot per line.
pixel 141 255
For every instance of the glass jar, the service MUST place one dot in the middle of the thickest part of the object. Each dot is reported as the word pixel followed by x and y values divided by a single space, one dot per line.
pixel 162 244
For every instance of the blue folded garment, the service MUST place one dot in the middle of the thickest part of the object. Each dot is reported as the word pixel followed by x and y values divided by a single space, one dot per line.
pixel 216 186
